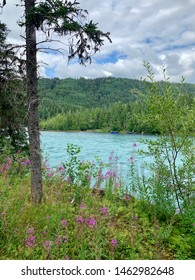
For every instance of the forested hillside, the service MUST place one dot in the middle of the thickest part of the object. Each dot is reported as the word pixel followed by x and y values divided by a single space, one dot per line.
pixel 61 95
pixel 104 103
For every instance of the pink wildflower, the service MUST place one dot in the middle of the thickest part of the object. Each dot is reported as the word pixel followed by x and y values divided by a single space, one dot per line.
pixel 9 161
pixel 104 210
pixel 31 230
pixel 31 241
pixel 90 222
pixel 63 223
pixel 65 239
pixel 88 177
pixel 83 206
pixel 79 219
pixel 27 162
pixel 47 244
pixel 47 168
pixel 116 158
pixel 131 159
pixel 114 174
pixel 127 197
pixel 60 169
pixel 58 240
pixel 114 242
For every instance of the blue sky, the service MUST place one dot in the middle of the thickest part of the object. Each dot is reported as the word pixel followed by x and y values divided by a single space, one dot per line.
pixel 112 57
pixel 159 31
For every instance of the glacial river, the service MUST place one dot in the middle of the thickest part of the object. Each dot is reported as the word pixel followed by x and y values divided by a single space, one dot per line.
pixel 101 145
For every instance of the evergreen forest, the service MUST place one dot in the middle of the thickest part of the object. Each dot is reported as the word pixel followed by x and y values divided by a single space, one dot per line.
pixel 101 104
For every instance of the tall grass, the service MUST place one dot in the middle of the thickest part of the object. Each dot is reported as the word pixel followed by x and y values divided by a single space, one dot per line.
pixel 88 212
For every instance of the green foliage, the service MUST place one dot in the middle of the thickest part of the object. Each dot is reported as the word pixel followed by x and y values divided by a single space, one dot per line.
pixel 71 166
pixel 12 96
pixel 107 104
pixel 71 94
pixel 78 221
pixel 67 18
pixel 13 116
pixel 13 164
pixel 78 173
pixel 117 117
pixel 173 168
pixel 98 227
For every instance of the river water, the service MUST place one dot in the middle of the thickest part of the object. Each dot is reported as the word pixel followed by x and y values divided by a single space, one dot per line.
pixel 124 146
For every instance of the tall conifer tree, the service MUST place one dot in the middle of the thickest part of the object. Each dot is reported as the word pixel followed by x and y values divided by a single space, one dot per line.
pixel 64 18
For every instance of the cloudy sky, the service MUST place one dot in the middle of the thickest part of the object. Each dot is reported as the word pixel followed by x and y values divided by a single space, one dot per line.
pixel 159 31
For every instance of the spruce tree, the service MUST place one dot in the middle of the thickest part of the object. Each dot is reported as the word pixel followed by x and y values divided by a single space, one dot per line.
pixel 12 96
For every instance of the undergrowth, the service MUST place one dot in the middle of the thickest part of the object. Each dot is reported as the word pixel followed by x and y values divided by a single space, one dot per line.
pixel 76 221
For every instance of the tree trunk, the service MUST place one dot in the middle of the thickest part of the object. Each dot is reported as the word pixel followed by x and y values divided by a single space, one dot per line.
pixel 32 91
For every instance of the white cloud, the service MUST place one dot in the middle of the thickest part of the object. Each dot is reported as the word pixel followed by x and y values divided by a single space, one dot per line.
pixel 159 31
pixel 107 73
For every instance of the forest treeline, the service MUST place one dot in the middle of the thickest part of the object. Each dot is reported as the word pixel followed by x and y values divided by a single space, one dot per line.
pixel 116 117
pixel 61 95
pixel 105 104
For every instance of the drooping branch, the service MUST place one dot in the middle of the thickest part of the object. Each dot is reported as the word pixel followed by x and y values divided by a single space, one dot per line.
pixel 67 18
pixel 61 18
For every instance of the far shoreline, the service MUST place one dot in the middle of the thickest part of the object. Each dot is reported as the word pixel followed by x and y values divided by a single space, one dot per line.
pixel 100 131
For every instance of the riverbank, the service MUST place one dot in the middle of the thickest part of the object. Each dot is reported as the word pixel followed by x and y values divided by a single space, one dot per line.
pixel 98 226
pixel 101 131
pixel 77 221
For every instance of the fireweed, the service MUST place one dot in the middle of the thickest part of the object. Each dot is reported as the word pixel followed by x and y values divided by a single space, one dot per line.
pixel 97 226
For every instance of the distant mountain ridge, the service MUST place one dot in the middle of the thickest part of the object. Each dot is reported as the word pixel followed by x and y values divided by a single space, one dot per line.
pixel 62 95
